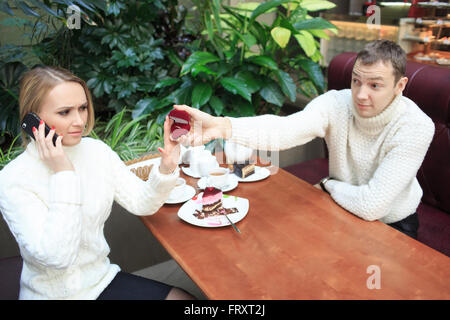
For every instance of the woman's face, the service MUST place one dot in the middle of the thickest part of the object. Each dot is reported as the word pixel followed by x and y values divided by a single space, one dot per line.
pixel 66 108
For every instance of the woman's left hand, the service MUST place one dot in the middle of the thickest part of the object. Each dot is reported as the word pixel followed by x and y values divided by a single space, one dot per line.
pixel 170 155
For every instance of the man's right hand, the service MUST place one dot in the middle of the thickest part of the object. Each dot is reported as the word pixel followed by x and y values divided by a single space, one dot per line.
pixel 204 127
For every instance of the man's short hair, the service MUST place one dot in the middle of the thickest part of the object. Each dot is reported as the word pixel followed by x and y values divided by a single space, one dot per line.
pixel 386 51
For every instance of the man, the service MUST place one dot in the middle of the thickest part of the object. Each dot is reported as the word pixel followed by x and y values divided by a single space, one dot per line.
pixel 377 139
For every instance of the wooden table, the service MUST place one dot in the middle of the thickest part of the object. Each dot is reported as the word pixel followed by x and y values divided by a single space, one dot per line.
pixel 297 243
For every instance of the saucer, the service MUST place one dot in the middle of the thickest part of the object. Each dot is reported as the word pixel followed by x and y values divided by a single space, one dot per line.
pixel 189 172
pixel 261 173
pixel 232 183
pixel 188 194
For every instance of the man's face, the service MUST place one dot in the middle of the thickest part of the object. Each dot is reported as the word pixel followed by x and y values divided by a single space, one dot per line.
pixel 374 88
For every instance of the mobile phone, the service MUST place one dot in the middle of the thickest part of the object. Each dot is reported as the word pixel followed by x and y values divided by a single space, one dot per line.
pixel 32 120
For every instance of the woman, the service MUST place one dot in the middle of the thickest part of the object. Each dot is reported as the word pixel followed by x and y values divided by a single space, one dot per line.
pixel 56 198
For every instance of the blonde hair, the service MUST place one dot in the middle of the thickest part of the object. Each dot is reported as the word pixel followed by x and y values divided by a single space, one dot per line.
pixel 35 85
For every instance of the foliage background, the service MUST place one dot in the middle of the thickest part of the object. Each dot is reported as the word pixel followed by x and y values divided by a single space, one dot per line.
pixel 140 57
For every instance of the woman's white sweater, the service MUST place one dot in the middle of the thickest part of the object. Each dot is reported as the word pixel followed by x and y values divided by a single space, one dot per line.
pixel 57 219
pixel 373 161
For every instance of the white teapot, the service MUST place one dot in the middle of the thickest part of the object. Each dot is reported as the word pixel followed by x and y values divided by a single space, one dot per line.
pixel 206 164
pixel 236 153
pixel 192 152
pixel 202 161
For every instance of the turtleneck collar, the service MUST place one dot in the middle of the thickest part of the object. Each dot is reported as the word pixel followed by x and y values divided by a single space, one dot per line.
pixel 71 151
pixel 376 124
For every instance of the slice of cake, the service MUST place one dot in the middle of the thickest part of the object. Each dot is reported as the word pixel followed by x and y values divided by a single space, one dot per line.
pixel 243 170
pixel 212 204
pixel 211 199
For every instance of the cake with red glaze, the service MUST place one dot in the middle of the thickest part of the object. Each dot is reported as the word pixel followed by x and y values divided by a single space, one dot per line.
pixel 212 204
pixel 211 199
pixel 181 124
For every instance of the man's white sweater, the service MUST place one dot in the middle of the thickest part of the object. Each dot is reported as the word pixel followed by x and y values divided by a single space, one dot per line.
pixel 58 219
pixel 373 161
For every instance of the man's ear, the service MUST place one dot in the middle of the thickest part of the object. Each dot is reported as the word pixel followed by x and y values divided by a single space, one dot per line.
pixel 401 85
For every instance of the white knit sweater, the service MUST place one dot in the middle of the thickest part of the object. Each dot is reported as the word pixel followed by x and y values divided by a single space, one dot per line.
pixel 373 161
pixel 58 219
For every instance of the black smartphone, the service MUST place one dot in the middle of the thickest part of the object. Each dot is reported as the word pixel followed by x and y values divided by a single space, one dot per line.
pixel 32 120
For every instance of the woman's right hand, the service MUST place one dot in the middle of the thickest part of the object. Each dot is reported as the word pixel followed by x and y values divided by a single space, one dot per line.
pixel 53 156
pixel 204 127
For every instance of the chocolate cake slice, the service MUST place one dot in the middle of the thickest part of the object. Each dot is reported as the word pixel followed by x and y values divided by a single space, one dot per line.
pixel 243 170
pixel 212 204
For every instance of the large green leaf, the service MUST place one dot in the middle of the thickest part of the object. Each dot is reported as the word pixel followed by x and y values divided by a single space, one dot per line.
pixel 248 39
pixel 314 72
pixel 319 34
pixel 287 84
pixel 184 93
pixel 149 105
pixel 201 94
pixel 236 86
pixel 198 58
pixel 307 88
pixel 266 6
pixel 166 82
pixel 198 69
pixel 306 41
pixel 216 12
pixel 316 5
pixel 264 61
pixel 272 93
pixel 250 79
pixel 315 23
pixel 217 105
pixel 281 36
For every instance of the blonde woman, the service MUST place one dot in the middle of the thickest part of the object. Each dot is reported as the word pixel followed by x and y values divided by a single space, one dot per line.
pixel 56 198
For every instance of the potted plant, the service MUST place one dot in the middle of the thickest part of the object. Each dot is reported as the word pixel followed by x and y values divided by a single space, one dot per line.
pixel 242 67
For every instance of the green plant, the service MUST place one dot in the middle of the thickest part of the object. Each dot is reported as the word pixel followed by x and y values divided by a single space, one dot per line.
pixel 11 153
pixel 243 67
pixel 129 138
pixel 54 8
pixel 128 58
pixel 124 50
pixel 10 74
pixel 45 24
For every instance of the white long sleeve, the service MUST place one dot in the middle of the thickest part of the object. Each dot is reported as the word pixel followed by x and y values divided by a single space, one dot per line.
pixel 137 196
pixel 274 133
pixel 58 219
pixel 42 229
pixel 373 161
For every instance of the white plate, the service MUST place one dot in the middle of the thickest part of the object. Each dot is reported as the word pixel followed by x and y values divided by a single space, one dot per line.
pixel 260 174
pixel 189 172
pixel 444 62
pixel 232 183
pixel 422 58
pixel 187 211
pixel 188 194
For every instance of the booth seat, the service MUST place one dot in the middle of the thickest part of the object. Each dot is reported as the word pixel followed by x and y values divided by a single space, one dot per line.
pixel 429 88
